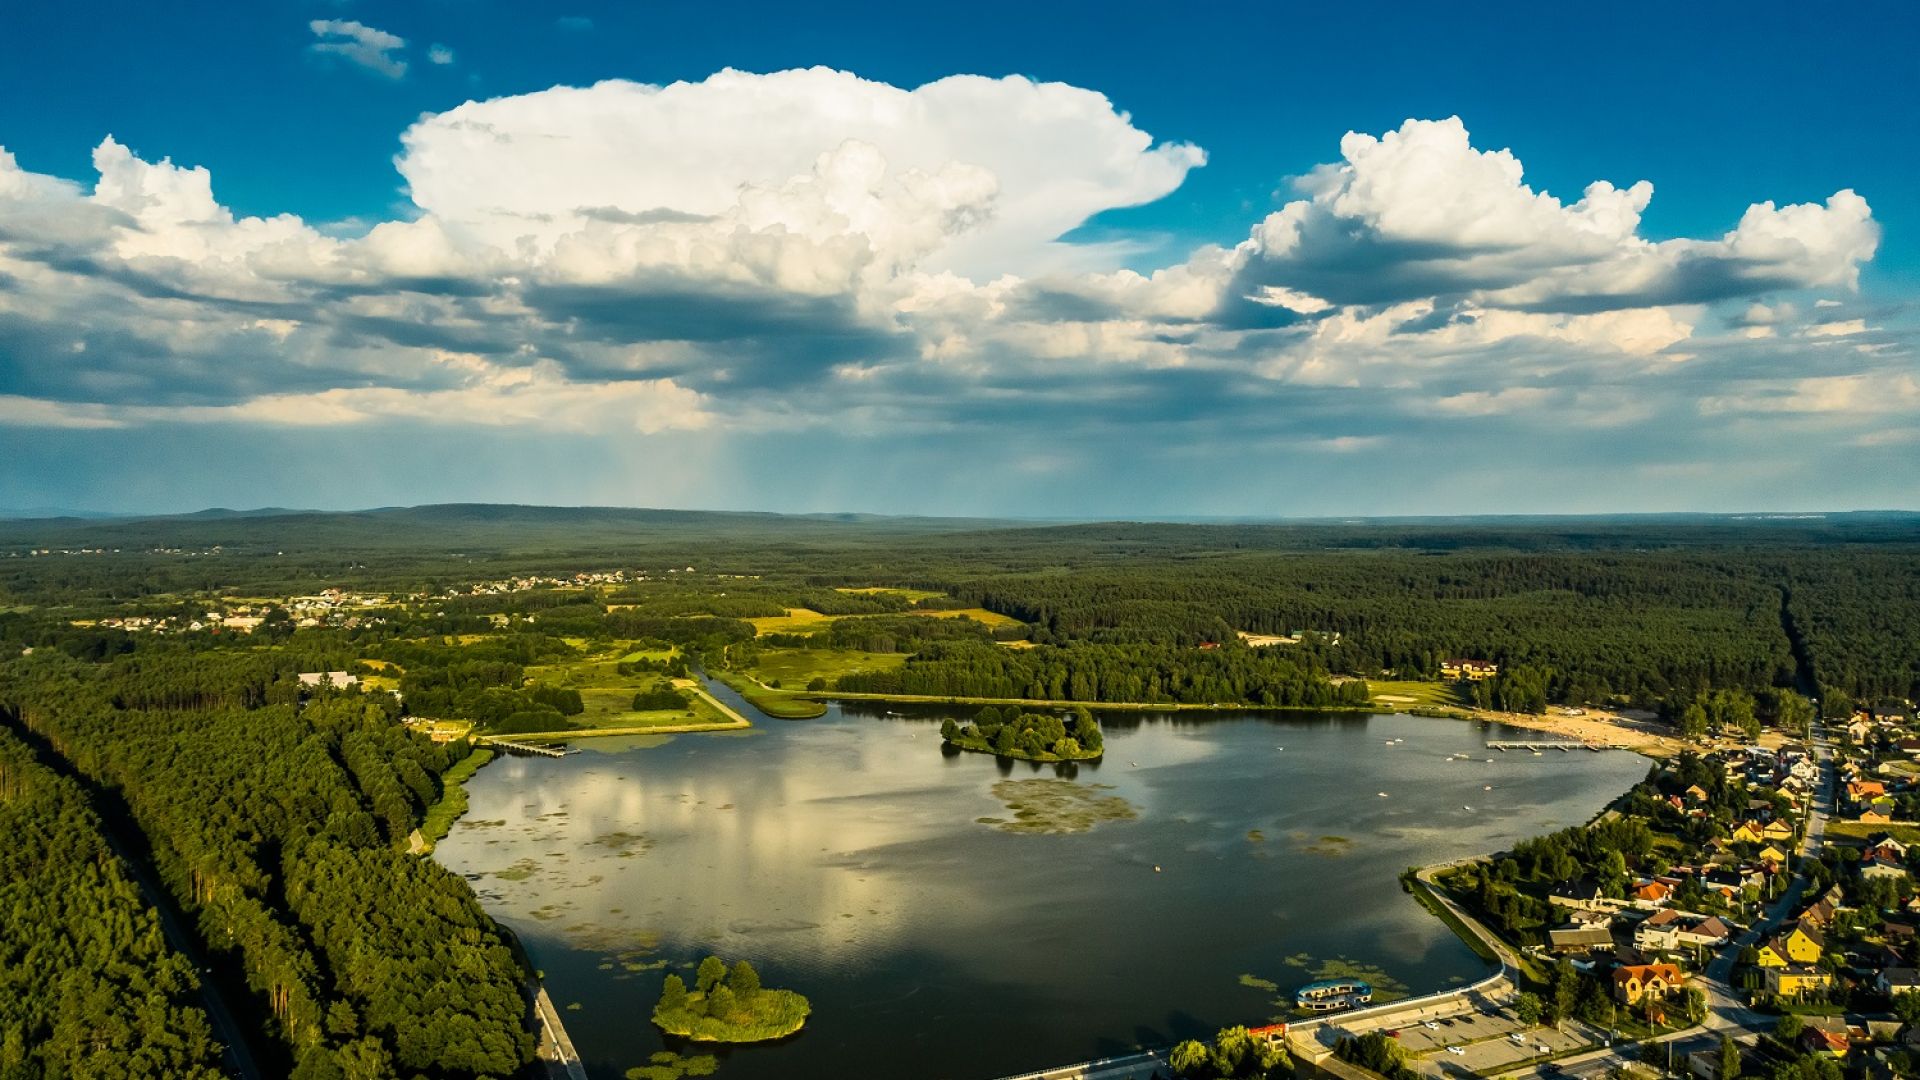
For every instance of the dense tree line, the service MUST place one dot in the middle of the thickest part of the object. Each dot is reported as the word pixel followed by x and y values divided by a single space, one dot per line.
pixel 1109 673
pixel 1010 732
pixel 281 830
pixel 88 984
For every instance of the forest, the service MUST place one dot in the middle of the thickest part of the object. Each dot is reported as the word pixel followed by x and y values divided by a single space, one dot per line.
pixel 277 818
pixel 279 830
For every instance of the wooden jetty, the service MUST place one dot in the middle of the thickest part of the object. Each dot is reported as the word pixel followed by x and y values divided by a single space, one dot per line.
pixel 528 748
pixel 1562 745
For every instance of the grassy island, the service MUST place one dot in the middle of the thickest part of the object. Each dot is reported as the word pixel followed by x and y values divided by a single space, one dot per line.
pixel 1009 732
pixel 728 1005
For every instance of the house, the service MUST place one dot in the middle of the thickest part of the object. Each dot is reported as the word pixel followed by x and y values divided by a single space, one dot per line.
pixel 1864 790
pixel 1749 833
pixel 1656 932
pixel 1818 1041
pixel 1696 793
pixel 1772 855
pixel 1634 983
pixel 1581 894
pixel 1771 954
pixel 1873 817
pixel 1468 669
pixel 1651 892
pixel 1800 945
pixel 1709 932
pixel 1796 979
pixel 339 680
pixel 1884 847
pixel 1895 981
pixel 1777 831
pixel 1575 938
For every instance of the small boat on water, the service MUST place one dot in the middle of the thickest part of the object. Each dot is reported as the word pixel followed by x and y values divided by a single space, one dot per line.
pixel 1331 995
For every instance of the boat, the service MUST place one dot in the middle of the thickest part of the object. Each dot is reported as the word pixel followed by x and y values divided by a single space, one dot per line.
pixel 1332 995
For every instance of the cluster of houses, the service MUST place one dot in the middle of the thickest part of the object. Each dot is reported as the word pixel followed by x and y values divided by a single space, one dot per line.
pixel 1471 670
pixel 1645 939
pixel 330 607
pixel 580 580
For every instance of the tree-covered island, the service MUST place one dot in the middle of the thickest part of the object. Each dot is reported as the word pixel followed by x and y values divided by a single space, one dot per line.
pixel 728 1004
pixel 1009 732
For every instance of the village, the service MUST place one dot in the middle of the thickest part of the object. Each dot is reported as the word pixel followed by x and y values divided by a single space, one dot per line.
pixel 1745 910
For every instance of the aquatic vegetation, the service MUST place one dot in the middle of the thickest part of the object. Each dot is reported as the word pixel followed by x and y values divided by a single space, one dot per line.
pixel 1257 983
pixel 1328 846
pixel 625 844
pixel 667 1065
pixel 1055 807
pixel 519 871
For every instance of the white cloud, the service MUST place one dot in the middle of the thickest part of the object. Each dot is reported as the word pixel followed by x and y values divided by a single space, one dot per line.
pixel 529 167
pixel 439 55
pixel 1421 212
pixel 359 44
pixel 810 248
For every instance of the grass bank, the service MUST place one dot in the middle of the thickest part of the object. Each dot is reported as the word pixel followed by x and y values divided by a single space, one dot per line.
pixel 781 704
pixel 453 795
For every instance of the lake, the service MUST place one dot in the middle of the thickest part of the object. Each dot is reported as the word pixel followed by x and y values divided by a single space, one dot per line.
pixel 846 857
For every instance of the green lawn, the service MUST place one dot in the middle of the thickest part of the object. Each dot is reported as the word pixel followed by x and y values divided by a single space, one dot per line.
pixel 1431 695
pixel 795 668
pixel 610 707
pixel 782 704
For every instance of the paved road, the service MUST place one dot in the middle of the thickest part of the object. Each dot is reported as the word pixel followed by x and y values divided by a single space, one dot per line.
pixel 1727 1013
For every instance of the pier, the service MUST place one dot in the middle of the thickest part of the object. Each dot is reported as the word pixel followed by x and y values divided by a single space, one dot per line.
pixel 1562 745
pixel 527 748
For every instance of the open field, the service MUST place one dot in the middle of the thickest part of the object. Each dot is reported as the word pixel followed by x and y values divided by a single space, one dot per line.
pixel 912 595
pixel 1421 693
pixel 783 704
pixel 1905 832
pixel 795 621
pixel 793 669
pixel 980 615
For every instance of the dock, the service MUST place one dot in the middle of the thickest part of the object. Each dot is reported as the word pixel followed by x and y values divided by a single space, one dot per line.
pixel 557 1051
pixel 1562 745
pixel 527 748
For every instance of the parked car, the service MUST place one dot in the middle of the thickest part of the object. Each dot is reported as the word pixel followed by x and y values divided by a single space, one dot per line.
pixel 1455 1050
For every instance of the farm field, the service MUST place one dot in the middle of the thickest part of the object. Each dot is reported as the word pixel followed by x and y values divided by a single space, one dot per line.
pixel 794 669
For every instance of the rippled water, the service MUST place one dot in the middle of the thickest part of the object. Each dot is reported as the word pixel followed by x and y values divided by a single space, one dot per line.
pixel 845 857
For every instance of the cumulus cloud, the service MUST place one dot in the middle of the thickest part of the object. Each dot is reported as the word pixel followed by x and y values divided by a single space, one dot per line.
pixel 1420 212
pixel 439 55
pixel 361 45
pixel 812 248
pixel 1004 166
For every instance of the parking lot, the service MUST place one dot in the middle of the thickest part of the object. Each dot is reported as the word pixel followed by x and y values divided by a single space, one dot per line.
pixel 1492 1040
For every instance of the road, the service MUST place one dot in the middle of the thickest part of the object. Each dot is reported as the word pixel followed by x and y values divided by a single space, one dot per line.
pixel 1727 1013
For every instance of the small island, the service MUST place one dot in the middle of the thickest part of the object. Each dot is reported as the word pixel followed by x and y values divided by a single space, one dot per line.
pixel 1009 732
pixel 728 1005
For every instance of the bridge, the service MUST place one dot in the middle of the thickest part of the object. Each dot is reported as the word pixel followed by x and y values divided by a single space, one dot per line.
pixel 527 748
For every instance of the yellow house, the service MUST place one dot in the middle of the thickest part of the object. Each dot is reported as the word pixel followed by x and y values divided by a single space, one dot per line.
pixel 1771 954
pixel 1777 830
pixel 1802 946
pixel 1771 854
pixel 1749 833
pixel 1797 980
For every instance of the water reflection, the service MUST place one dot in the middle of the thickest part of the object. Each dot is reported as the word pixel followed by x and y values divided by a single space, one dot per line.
pixel 845 856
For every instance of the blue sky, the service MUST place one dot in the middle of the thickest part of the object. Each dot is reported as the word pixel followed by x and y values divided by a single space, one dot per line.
pixel 1103 289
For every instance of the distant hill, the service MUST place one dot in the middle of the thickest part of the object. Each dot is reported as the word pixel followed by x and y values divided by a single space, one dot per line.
pixel 487 529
